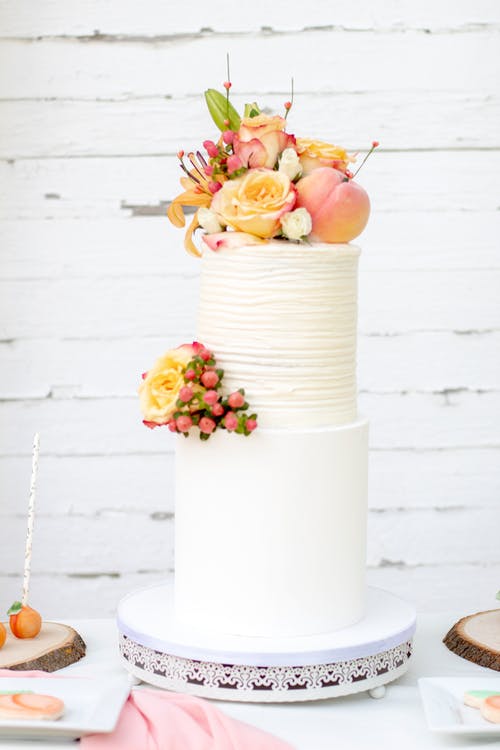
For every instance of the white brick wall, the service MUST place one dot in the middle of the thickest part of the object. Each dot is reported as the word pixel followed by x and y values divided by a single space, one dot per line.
pixel 95 99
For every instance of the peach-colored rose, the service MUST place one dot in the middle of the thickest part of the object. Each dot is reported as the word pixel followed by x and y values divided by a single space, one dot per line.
pixel 160 388
pixel 314 154
pixel 261 139
pixel 255 202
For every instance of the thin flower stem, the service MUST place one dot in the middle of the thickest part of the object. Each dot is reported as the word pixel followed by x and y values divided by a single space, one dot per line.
pixel 366 157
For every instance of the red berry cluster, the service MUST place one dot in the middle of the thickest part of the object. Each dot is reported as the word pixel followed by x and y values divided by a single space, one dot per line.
pixel 201 403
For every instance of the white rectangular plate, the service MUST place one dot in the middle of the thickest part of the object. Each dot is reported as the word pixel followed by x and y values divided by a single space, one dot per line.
pixel 445 711
pixel 92 705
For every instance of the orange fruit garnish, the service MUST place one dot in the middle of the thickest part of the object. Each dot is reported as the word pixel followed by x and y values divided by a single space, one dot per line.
pixel 25 622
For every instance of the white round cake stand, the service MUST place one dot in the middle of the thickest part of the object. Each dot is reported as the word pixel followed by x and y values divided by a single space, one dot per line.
pixel 158 650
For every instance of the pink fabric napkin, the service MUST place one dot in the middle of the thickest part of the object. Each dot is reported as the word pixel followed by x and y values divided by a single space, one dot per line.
pixel 160 720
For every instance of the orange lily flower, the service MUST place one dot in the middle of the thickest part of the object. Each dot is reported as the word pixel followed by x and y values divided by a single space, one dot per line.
pixel 196 193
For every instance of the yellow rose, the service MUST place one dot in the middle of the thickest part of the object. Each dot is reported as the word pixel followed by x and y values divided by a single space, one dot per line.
pixel 314 154
pixel 255 202
pixel 160 388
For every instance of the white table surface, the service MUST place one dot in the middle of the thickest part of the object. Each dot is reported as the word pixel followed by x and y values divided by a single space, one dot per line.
pixel 355 722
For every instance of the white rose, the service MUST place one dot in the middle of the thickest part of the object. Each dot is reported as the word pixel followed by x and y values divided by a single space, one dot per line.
pixel 296 224
pixel 208 220
pixel 290 164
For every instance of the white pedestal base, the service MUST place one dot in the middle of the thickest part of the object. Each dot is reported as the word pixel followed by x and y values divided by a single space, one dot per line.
pixel 158 650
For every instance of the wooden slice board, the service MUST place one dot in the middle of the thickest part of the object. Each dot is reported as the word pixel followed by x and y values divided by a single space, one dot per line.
pixel 477 638
pixel 56 646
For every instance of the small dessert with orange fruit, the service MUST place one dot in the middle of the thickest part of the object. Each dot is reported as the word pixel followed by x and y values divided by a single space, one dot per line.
pixel 25 622
pixel 3 634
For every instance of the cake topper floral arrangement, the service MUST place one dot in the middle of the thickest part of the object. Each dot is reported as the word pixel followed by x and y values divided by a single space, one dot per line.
pixel 184 390
pixel 255 183
pixel 258 182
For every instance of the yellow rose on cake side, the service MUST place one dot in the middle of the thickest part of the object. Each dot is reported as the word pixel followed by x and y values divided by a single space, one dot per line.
pixel 159 390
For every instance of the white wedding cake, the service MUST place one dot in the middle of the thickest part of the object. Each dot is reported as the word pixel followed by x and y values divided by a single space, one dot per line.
pixel 269 601
pixel 270 533
pixel 271 501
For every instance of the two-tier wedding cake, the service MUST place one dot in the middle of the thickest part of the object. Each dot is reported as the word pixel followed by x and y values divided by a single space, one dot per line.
pixel 271 453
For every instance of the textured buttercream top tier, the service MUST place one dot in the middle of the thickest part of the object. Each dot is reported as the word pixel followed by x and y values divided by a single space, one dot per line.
pixel 281 320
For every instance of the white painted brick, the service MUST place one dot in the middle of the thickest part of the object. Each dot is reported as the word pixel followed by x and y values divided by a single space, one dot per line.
pixel 434 479
pixel 107 368
pixel 389 303
pixel 323 61
pixel 89 485
pixel 113 426
pixel 59 596
pixel 108 188
pixel 62 128
pixel 397 479
pixel 154 17
pixel 145 483
pixel 429 536
pixel 147 246
pixel 110 542
pixel 463 589
pixel 459 589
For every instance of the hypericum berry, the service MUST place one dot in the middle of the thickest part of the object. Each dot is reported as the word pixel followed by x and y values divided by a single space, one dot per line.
pixel 236 400
pixel 209 379
pixel 227 85
pixel 205 355
pixel 228 136
pixel 190 374
pixel 209 170
pixel 217 410
pixel 172 426
pixel 233 163
pixel 231 421
pixel 186 393
pixel 207 425
pixel 211 148
pixel 214 187
pixel 184 423
pixel 211 397
pixel 251 425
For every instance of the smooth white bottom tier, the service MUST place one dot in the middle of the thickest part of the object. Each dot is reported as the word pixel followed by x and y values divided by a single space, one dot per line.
pixel 270 531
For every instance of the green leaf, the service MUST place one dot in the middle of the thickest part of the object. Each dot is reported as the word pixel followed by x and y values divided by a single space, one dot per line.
pixel 220 109
pixel 251 110
pixel 498 594
pixel 15 608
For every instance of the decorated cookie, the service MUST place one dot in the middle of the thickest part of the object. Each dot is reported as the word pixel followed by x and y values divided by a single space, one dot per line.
pixel 490 708
pixel 30 707
pixel 474 698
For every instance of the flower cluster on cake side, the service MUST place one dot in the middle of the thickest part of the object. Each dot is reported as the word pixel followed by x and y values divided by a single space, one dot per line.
pixel 184 390
pixel 254 183
pixel 258 182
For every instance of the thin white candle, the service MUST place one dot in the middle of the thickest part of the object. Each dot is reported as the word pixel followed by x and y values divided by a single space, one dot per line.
pixel 31 519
